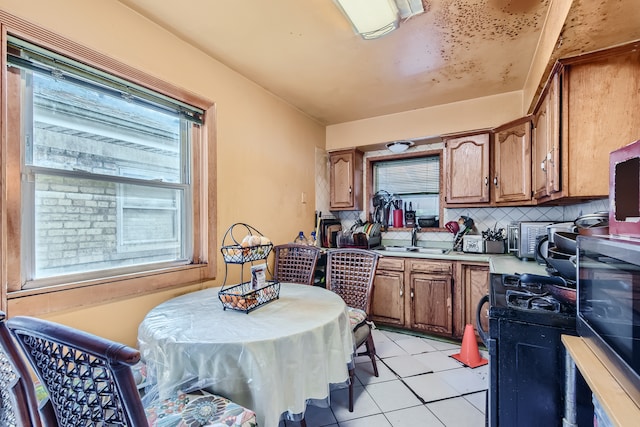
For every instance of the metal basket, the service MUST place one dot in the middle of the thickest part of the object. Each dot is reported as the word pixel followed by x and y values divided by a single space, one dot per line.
pixel 236 254
pixel 244 298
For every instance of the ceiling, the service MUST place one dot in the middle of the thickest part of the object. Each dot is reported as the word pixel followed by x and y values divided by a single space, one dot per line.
pixel 305 51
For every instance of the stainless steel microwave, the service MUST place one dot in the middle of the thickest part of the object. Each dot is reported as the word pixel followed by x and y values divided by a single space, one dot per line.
pixel 608 304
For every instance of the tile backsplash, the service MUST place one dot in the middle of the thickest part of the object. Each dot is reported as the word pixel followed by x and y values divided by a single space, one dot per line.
pixel 483 218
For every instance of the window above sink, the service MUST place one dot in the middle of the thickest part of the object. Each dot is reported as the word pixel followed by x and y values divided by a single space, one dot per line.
pixel 414 179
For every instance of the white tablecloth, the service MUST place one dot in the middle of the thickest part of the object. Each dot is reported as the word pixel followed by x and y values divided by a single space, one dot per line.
pixel 271 360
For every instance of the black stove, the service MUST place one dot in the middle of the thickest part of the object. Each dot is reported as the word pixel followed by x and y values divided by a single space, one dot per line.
pixel 526 356
pixel 525 298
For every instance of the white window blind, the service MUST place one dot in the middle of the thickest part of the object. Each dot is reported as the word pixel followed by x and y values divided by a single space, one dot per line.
pixel 408 176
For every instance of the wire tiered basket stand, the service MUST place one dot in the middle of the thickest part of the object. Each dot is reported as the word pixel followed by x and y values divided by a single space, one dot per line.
pixel 242 244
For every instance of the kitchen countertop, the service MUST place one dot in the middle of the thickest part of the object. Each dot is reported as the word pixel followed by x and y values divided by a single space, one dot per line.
pixel 498 263
pixel 510 264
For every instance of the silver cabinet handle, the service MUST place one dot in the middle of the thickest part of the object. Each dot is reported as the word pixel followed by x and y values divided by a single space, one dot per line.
pixel 495 181
pixel 486 180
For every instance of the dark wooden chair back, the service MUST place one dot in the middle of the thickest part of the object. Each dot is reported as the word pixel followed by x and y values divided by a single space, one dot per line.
pixel 350 274
pixel 295 263
pixel 88 378
pixel 18 404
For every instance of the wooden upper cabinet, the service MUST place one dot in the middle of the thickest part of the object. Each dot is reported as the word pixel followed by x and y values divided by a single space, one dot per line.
pixel 345 179
pixel 511 180
pixel 589 107
pixel 546 141
pixel 600 113
pixel 466 160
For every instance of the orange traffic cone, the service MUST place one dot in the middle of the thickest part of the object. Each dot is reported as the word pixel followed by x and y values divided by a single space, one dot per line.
pixel 469 353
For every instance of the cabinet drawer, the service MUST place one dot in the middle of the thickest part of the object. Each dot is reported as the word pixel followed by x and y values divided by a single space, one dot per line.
pixel 390 263
pixel 431 267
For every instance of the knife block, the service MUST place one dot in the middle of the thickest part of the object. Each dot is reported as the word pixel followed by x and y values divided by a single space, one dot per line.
pixel 410 219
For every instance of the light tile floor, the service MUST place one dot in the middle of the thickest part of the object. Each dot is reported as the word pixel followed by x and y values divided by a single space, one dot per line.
pixel 419 384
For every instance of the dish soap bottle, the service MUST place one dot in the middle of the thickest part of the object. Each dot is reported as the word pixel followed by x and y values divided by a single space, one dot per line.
pixel 301 239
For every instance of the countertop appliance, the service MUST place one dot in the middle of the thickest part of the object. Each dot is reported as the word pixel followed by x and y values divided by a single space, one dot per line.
pixel 473 243
pixel 523 237
pixel 624 190
pixel 526 356
pixel 609 305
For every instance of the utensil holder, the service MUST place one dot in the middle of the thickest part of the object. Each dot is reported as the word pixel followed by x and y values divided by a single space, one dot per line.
pixel 494 246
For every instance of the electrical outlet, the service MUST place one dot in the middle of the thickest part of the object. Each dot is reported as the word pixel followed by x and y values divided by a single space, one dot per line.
pixel 303 198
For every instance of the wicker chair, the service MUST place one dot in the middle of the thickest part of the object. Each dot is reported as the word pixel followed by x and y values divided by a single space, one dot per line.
pixel 295 263
pixel 18 404
pixel 90 382
pixel 350 274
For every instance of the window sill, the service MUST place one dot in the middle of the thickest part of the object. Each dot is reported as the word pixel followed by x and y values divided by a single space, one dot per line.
pixel 41 301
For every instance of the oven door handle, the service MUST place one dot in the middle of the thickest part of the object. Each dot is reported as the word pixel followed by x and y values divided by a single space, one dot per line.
pixel 484 335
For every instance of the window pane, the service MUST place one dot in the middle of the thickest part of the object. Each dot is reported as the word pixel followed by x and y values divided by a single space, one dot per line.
pixel 84 225
pixel 83 128
pixel 409 176
pixel 108 184
pixel 149 215
pixel 414 180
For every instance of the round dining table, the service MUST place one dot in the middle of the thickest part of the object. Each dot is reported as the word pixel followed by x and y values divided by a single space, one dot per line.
pixel 273 360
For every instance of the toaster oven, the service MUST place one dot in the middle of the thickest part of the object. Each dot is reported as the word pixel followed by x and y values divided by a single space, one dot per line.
pixel 523 237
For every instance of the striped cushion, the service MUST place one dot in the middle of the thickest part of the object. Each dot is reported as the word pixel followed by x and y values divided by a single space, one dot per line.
pixel 356 316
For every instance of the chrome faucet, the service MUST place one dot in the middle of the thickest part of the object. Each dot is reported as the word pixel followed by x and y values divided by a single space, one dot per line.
pixel 414 234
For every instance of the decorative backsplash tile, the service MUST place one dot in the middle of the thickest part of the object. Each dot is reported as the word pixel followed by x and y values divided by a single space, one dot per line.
pixel 483 218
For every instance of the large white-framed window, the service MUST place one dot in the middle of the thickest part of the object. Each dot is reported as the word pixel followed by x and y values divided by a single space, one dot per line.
pixel 107 178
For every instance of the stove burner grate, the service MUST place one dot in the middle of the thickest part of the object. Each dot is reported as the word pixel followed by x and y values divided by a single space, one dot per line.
pixel 526 300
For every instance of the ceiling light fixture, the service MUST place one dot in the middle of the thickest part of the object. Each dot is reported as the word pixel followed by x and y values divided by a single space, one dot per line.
pixel 371 18
pixel 399 146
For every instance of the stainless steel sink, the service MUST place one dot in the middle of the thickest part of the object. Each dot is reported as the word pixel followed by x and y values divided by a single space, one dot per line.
pixel 414 249
pixel 425 250
pixel 431 250
pixel 395 248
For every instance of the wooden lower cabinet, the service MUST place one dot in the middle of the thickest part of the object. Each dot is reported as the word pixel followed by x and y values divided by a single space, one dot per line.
pixel 474 278
pixel 431 300
pixel 415 294
pixel 387 305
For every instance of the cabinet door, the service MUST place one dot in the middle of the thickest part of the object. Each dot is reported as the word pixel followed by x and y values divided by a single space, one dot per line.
pixel 431 303
pixel 467 169
pixel 475 283
pixel 387 305
pixel 345 180
pixel 546 142
pixel 600 113
pixel 512 163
